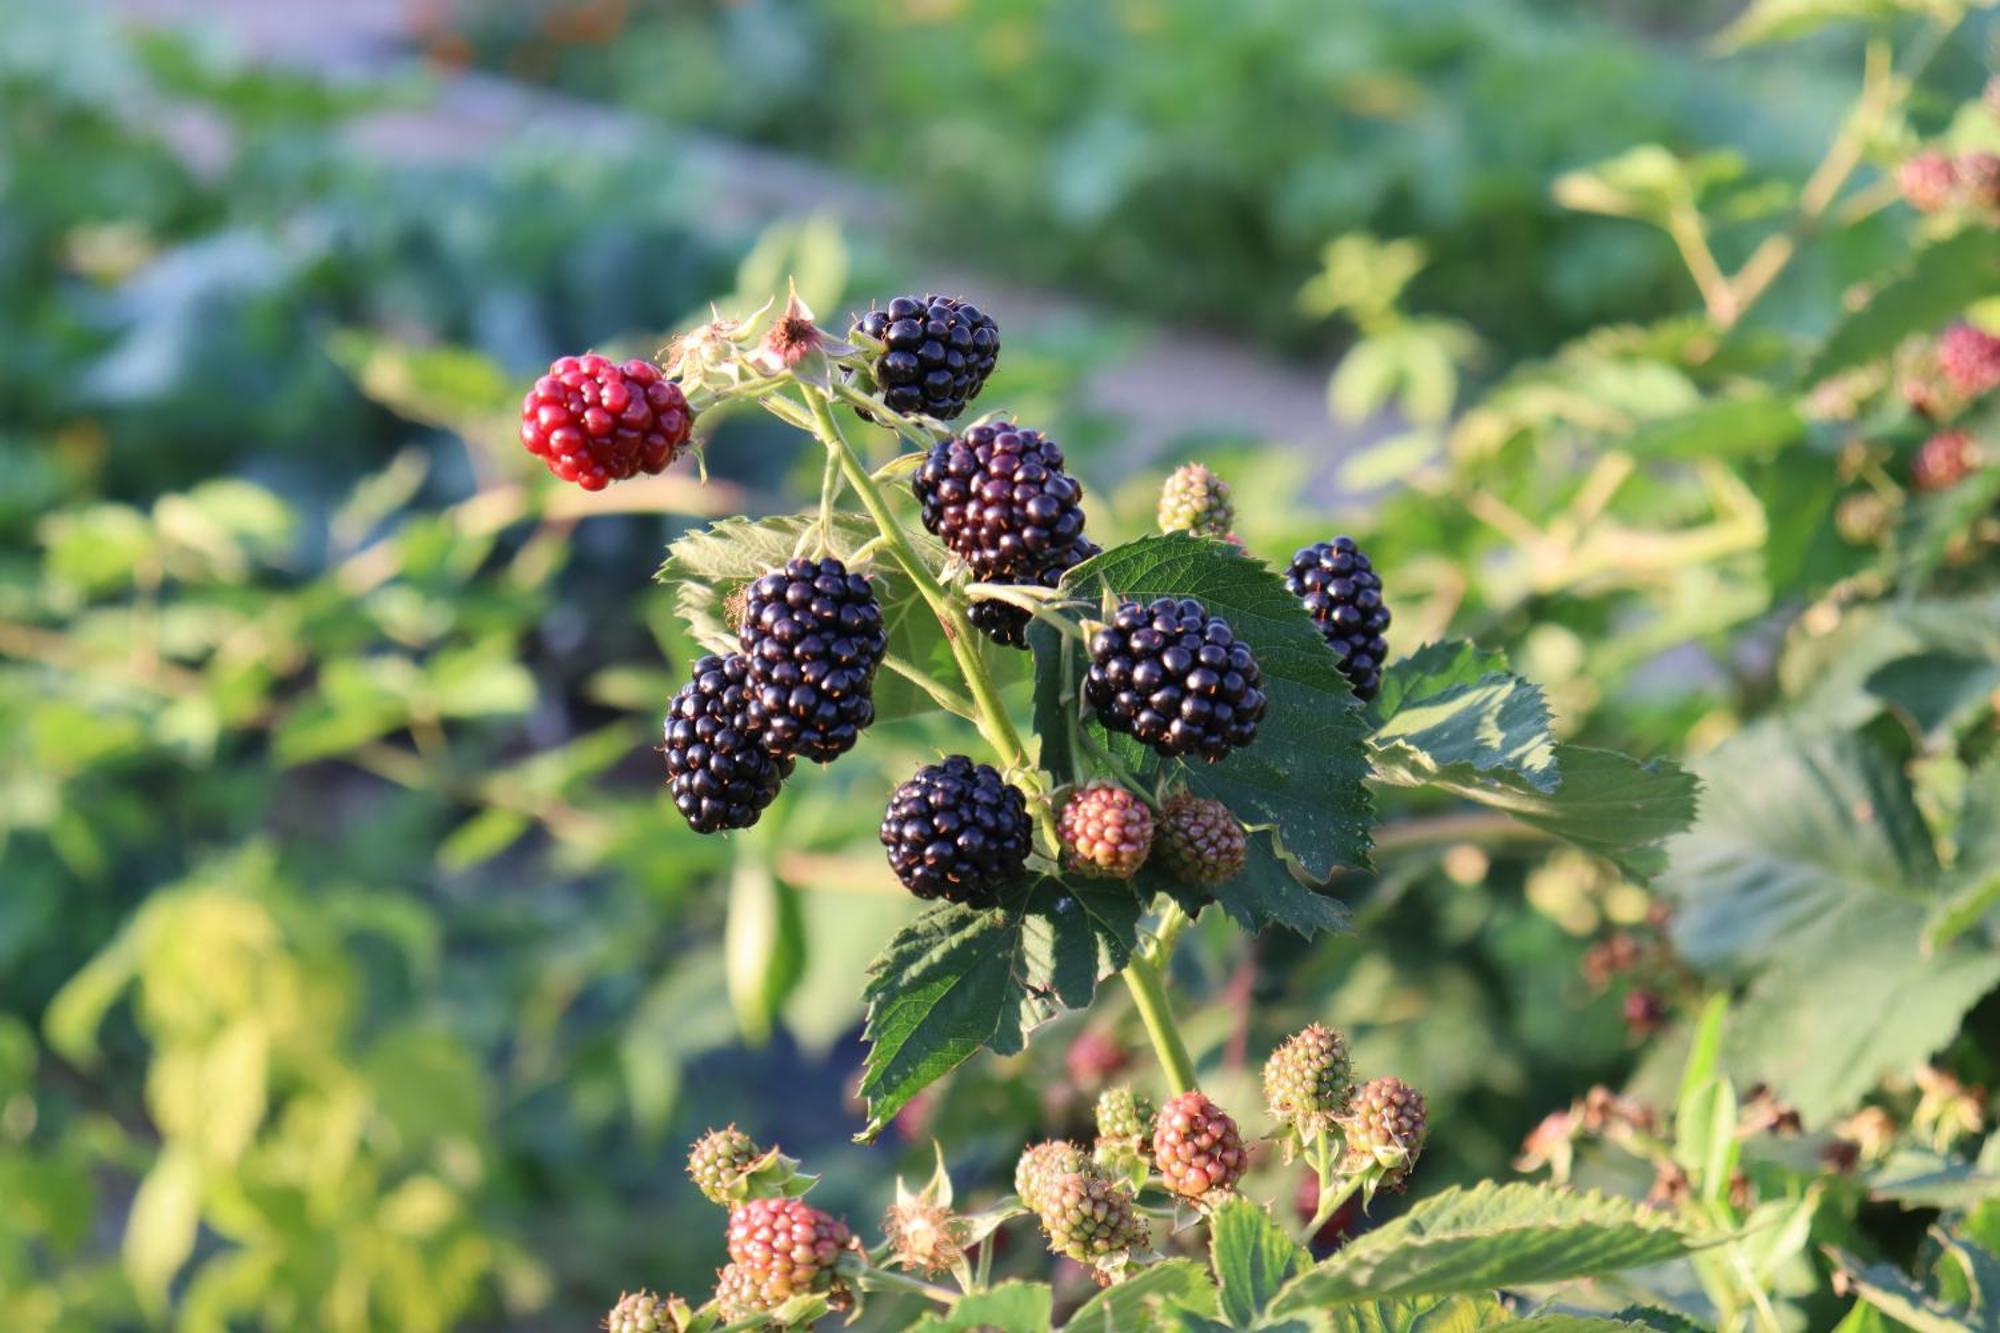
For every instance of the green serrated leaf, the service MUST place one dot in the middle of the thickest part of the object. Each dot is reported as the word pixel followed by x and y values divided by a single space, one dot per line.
pixel 1888 1290
pixel 1252 1257
pixel 1491 1236
pixel 1936 286
pixel 1133 1302
pixel 1972 891
pixel 1750 426
pixel 1419 1314
pixel 1009 1307
pixel 959 978
pixel 1451 708
pixel 1916 1178
pixel 1313 724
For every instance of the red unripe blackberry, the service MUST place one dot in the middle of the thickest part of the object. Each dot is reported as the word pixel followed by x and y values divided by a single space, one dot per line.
pixel 1007 624
pixel 784 1248
pixel 1041 1166
pixel 1199 841
pixel 939 352
pixel 718 772
pixel 1196 1148
pixel 1176 678
pixel 812 633
pixel 1969 358
pixel 999 499
pixel 1343 593
pixel 1106 831
pixel 1193 499
pixel 1308 1081
pixel 1385 1128
pixel 717 1161
pixel 958 831
pixel 1088 1217
pixel 595 422
pixel 1944 460
pixel 1928 181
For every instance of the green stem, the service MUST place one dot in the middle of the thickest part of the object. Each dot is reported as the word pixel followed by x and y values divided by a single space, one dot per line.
pixel 1329 1204
pixel 1149 996
pixel 982 1272
pixel 881 1279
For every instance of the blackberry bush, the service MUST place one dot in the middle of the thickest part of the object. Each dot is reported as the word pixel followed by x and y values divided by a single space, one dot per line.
pixel 812 636
pixel 595 422
pixel 1343 594
pixel 937 352
pixel 1176 678
pixel 718 772
pixel 957 831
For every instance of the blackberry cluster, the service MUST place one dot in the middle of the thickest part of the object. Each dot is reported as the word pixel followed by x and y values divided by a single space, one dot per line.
pixel 595 422
pixel 1385 1128
pixel 939 351
pixel 718 1161
pixel 1344 594
pixel 958 831
pixel 999 499
pixel 1006 624
pixel 1106 831
pixel 781 1248
pixel 812 635
pixel 1041 1166
pixel 1200 841
pixel 1308 1081
pixel 1089 1217
pixel 1176 678
pixel 718 772
pixel 1196 1147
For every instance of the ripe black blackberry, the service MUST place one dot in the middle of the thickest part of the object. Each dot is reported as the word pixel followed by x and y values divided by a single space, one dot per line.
pixel 718 771
pixel 812 634
pixel 1344 594
pixel 939 351
pixel 1176 678
pixel 1007 624
pixel 999 499
pixel 957 831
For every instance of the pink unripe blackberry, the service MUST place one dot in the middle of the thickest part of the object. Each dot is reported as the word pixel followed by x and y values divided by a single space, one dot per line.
pixel 595 422
pixel 1969 358
pixel 1385 1128
pixel 1106 831
pixel 1944 460
pixel 785 1247
pixel 1928 181
pixel 1199 841
pixel 1979 180
pixel 1041 1165
pixel 1196 1147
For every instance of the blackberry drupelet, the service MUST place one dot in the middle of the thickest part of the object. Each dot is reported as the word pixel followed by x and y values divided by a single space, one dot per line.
pixel 1176 678
pixel 718 772
pixel 1344 594
pixel 957 831
pixel 999 499
pixel 939 352
pixel 595 422
pixel 812 633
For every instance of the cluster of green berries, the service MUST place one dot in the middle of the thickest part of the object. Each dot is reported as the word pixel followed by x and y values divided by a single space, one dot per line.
pixel 1310 1090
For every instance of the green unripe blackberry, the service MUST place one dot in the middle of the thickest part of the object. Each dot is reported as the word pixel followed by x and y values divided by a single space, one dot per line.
pixel 1199 841
pixel 1088 1218
pixel 718 1160
pixel 1124 1122
pixel 643 1312
pixel 1197 1149
pixel 1041 1165
pixel 1386 1127
pixel 1308 1081
pixel 1195 500
pixel 1106 831
pixel 738 1294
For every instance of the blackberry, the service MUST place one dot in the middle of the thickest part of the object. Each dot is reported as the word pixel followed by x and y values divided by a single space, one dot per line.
pixel 1308 1080
pixel 1041 1165
pixel 1928 181
pixel 1196 1147
pixel 1969 358
pixel 595 422
pixel 1200 841
pixel 1124 1124
pixel 643 1312
pixel 1343 593
pixel 1944 460
pixel 1089 1218
pixel 718 771
pixel 784 1248
pixel 939 352
pixel 1106 831
pixel 1385 1128
pixel 1007 624
pixel 1176 678
pixel 1195 500
pixel 718 1162
pixel 999 499
pixel 957 831
pixel 812 633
